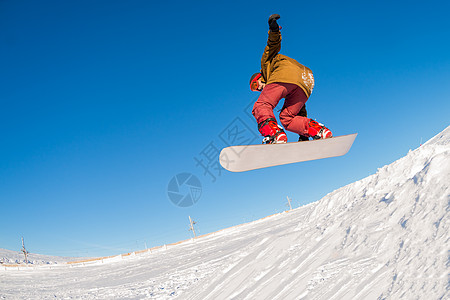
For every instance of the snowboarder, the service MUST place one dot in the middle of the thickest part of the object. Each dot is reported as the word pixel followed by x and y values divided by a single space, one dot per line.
pixel 283 77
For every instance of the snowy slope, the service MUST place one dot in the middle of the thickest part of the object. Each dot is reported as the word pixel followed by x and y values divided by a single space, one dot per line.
pixel 383 237
pixel 17 257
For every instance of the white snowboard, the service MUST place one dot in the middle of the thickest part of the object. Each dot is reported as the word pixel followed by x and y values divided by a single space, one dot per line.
pixel 251 157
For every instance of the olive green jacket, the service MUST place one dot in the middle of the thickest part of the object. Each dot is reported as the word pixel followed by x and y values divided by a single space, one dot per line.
pixel 276 67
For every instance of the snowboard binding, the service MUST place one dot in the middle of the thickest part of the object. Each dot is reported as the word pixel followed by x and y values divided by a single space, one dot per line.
pixel 272 132
pixel 318 131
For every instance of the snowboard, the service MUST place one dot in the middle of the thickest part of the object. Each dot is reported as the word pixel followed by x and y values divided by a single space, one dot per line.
pixel 251 157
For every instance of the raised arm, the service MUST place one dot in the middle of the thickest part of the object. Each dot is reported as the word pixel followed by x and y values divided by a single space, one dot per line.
pixel 272 48
pixel 273 44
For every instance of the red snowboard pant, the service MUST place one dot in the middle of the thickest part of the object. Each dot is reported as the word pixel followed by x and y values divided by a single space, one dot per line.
pixel 295 98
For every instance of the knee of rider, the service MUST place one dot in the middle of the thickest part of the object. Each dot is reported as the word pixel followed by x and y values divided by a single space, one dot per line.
pixel 285 120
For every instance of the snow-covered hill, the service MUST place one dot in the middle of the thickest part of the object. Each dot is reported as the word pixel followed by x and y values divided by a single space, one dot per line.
pixel 383 237
pixel 17 257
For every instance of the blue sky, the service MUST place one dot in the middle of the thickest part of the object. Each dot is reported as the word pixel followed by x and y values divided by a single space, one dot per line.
pixel 103 102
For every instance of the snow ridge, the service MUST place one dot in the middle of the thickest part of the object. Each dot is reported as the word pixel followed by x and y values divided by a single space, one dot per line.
pixel 383 237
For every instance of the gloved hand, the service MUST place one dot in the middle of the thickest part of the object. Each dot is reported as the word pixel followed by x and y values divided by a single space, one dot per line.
pixel 273 25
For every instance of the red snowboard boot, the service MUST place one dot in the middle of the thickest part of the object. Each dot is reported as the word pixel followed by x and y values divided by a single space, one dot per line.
pixel 272 132
pixel 318 131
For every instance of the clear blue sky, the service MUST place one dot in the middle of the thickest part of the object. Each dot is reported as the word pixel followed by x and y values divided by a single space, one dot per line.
pixel 103 102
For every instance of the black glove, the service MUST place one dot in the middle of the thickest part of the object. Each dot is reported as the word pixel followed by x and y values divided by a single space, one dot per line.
pixel 273 25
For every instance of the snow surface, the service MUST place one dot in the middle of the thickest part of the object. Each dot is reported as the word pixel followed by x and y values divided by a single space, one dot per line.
pixel 17 257
pixel 383 237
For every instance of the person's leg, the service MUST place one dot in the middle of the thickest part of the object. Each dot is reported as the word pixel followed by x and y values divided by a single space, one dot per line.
pixel 293 121
pixel 290 115
pixel 263 113
pixel 269 98
pixel 303 113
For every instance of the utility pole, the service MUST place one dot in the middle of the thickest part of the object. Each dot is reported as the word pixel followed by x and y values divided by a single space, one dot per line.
pixel 289 203
pixel 191 227
pixel 25 252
